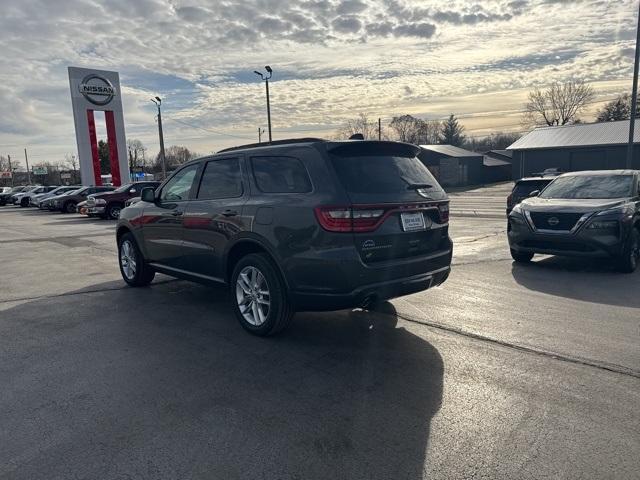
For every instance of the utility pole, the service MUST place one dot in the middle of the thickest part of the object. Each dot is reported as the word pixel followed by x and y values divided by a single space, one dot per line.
pixel 26 159
pixel 266 81
pixel 634 97
pixel 10 169
pixel 379 129
pixel 158 102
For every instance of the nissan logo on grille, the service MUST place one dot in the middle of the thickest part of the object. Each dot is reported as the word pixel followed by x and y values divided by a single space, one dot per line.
pixel 97 90
pixel 553 221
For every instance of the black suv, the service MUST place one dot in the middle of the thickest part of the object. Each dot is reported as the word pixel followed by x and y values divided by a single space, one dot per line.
pixel 302 225
pixel 523 188
pixel 591 213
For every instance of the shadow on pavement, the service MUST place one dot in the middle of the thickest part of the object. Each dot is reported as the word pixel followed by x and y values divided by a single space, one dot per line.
pixel 596 281
pixel 162 382
pixel 80 220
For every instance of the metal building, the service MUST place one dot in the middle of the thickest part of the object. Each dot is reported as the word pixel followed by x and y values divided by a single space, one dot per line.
pixel 452 166
pixel 593 146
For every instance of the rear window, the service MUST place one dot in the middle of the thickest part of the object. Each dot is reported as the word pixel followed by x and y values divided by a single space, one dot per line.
pixel 523 189
pixel 385 174
pixel 280 175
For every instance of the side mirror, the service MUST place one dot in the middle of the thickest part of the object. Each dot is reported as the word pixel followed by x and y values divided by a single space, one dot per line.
pixel 535 193
pixel 148 195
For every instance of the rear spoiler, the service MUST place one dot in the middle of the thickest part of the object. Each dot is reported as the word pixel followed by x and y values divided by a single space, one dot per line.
pixel 361 148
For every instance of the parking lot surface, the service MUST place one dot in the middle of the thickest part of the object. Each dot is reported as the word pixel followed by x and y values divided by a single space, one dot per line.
pixel 505 371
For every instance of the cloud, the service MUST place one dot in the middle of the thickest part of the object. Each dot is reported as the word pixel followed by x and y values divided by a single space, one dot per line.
pixel 331 59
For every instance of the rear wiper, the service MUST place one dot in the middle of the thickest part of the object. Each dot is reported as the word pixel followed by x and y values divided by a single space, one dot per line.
pixel 418 186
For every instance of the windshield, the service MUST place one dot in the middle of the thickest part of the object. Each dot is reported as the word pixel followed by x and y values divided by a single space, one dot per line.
pixel 386 175
pixel 590 186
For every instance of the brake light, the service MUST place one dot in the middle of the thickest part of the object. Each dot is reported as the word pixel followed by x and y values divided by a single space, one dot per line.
pixel 349 219
pixel 443 209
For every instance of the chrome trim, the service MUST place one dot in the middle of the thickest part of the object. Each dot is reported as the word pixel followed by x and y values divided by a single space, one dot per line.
pixel 579 224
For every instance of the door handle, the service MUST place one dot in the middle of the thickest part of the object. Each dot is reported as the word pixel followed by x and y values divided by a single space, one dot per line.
pixel 229 213
pixel 176 213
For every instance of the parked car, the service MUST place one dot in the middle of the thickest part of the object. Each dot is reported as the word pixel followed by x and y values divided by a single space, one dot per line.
pixel 5 190
pixel 15 198
pixel 109 204
pixel 587 214
pixel 67 203
pixel 301 225
pixel 35 200
pixel 523 188
pixel 24 199
pixel 6 196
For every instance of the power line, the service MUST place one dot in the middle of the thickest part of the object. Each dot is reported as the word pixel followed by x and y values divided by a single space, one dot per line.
pixel 210 130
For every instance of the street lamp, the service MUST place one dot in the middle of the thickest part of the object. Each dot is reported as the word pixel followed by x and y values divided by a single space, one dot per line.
pixel 158 102
pixel 266 82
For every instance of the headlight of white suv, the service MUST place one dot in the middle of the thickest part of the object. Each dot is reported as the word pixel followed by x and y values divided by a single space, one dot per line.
pixel 626 209
pixel 518 209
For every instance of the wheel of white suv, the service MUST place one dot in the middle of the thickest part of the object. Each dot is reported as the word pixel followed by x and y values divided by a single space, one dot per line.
pixel 259 296
pixel 628 261
pixel 69 207
pixel 133 267
pixel 521 257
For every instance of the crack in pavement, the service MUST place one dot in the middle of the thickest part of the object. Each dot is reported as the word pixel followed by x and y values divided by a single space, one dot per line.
pixel 586 362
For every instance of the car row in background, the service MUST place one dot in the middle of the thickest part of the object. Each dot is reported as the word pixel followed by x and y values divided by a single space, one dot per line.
pixel 94 201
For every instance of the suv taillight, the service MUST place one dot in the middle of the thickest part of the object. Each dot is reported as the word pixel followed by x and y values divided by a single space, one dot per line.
pixel 443 210
pixel 350 219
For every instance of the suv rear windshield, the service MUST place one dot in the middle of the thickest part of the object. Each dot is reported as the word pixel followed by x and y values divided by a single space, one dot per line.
pixel 595 186
pixel 523 189
pixel 385 174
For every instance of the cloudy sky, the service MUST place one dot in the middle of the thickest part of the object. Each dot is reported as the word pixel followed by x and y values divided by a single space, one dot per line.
pixel 332 59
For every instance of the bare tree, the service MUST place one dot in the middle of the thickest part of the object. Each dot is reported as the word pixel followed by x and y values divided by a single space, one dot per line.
pixel 557 105
pixel 360 124
pixel 175 155
pixel 410 129
pixel 136 152
pixel 495 141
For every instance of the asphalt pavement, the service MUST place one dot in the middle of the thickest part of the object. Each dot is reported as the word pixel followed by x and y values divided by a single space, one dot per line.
pixel 505 371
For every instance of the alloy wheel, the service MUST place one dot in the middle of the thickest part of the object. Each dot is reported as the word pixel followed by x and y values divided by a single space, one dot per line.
pixel 128 259
pixel 252 295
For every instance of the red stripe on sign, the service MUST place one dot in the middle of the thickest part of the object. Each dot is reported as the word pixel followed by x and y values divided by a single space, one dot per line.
pixel 94 148
pixel 113 148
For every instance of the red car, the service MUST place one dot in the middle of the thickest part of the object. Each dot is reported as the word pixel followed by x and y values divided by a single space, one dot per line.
pixel 109 204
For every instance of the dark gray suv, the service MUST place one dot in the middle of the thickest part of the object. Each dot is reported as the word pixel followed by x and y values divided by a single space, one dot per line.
pixel 304 225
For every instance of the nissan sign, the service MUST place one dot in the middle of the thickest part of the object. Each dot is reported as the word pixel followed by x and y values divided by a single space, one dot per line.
pixel 97 89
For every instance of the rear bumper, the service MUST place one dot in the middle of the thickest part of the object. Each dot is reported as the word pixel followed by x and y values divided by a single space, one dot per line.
pixel 305 301
pixel 348 283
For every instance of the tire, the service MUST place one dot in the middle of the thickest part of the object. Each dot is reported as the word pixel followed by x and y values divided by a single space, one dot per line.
pixel 69 207
pixel 628 261
pixel 112 211
pixel 24 202
pixel 521 257
pixel 259 318
pixel 129 255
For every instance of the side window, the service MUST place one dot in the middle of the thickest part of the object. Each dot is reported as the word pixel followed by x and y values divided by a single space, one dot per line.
pixel 178 188
pixel 221 179
pixel 280 175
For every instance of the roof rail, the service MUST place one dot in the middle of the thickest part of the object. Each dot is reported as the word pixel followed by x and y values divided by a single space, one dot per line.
pixel 287 141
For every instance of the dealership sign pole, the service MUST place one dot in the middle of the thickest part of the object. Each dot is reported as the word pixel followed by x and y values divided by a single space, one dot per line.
pixel 98 90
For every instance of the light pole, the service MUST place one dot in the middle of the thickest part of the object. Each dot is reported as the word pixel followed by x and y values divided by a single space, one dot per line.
pixel 634 98
pixel 266 81
pixel 260 132
pixel 158 102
